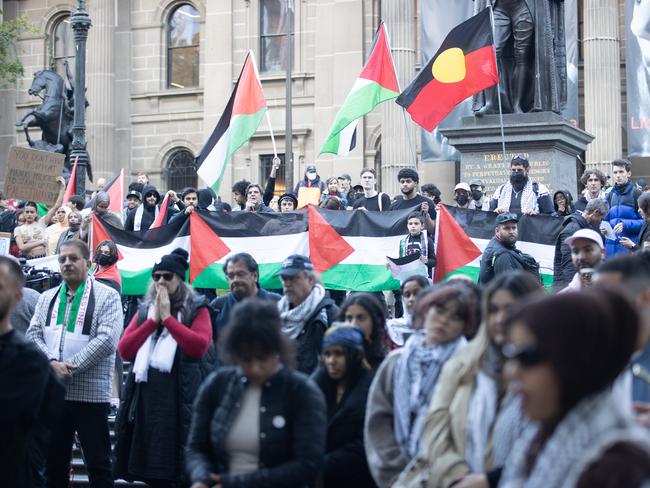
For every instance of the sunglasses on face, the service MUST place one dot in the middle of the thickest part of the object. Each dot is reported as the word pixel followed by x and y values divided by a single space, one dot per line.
pixel 527 356
pixel 164 276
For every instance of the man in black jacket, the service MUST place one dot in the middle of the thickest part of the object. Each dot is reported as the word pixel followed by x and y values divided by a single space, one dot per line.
pixel 31 398
pixel 501 255
pixel 305 309
pixel 563 268
pixel 242 273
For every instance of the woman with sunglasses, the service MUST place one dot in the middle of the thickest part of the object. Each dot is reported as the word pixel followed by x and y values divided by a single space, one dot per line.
pixel 169 342
pixel 258 423
pixel 344 378
pixel 402 387
pixel 473 419
pixel 564 352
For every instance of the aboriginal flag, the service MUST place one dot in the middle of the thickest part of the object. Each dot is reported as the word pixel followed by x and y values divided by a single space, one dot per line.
pixel 464 65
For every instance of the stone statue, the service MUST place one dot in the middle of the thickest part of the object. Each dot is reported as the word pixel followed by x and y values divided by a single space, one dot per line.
pixel 54 116
pixel 530 47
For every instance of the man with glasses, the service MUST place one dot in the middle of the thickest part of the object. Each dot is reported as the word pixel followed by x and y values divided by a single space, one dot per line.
pixel 521 195
pixel 243 276
pixel 77 325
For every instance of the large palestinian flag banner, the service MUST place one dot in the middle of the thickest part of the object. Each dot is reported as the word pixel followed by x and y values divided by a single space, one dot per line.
pixel 349 249
pixel 537 236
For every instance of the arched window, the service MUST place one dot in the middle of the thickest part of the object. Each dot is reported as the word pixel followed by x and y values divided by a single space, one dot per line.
pixel 180 170
pixel 63 48
pixel 183 39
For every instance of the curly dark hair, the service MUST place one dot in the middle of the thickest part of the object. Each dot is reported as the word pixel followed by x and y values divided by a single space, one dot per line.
pixel 112 248
pixel 240 186
pixel 408 173
pixel 375 349
pixel 598 173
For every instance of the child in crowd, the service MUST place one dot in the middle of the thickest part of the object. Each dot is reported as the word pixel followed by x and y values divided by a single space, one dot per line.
pixel 418 241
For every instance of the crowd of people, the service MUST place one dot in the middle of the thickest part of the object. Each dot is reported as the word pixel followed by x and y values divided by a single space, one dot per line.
pixel 460 384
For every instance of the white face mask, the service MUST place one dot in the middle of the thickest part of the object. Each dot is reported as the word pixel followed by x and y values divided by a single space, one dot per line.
pixel 311 176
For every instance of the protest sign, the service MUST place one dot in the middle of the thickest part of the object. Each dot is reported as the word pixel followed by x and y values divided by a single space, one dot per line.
pixel 31 174
pixel 5 241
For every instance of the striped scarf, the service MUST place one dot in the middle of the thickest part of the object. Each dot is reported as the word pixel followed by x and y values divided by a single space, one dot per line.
pixel 528 197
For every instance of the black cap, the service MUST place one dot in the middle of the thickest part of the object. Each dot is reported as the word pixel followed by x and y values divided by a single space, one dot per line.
pixel 506 217
pixel 294 264
pixel 310 167
pixel 289 196
pixel 176 262
pixel 134 193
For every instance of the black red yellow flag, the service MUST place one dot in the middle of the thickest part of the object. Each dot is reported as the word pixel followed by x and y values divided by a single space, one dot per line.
pixel 464 65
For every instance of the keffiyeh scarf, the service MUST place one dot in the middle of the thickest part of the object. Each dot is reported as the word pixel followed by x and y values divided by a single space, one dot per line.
pixel 293 319
pixel 528 197
pixel 415 377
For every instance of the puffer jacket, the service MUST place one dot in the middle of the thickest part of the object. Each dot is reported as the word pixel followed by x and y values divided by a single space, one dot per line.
pixel 623 209
pixel 192 372
pixel 293 422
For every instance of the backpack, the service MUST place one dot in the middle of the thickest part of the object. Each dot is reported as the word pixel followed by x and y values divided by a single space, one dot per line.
pixel 528 263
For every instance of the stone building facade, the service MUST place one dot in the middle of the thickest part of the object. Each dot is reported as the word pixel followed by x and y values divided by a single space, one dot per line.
pixel 159 74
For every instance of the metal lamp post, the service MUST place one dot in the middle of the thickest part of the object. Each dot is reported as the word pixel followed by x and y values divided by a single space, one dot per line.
pixel 80 23
pixel 288 151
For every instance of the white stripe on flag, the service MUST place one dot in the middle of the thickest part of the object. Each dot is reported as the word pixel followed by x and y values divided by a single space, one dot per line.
pixel 345 138
pixel 212 166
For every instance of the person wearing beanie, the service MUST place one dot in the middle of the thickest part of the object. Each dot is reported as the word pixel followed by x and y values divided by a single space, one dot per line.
pixel 288 202
pixel 170 344
pixel 344 378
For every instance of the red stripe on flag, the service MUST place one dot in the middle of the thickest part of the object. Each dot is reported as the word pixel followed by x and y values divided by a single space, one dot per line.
pixel 249 98
pixel 115 190
pixel 437 99
pixel 379 67
pixel 72 183
pixel 454 248
pixel 206 247
pixel 162 214
pixel 326 247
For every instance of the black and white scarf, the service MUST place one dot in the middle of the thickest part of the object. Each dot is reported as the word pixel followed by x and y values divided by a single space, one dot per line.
pixel 293 319
pixel 528 197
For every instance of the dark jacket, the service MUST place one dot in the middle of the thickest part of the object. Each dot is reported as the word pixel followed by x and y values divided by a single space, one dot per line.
pixel 31 399
pixel 222 307
pixel 570 208
pixel 563 269
pixel 623 208
pixel 640 386
pixel 345 456
pixel 644 234
pixel 292 430
pixel 499 258
pixel 308 342
pixel 192 372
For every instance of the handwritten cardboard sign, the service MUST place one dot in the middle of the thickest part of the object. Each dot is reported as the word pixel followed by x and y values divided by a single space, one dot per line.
pixel 31 174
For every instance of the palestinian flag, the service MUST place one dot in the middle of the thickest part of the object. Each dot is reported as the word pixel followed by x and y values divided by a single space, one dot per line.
pixel 72 184
pixel 454 248
pixel 407 266
pixel 464 65
pixel 376 83
pixel 115 190
pixel 537 236
pixel 348 248
pixel 237 124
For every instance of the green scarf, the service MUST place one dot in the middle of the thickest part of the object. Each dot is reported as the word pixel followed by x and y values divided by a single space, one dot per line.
pixel 74 310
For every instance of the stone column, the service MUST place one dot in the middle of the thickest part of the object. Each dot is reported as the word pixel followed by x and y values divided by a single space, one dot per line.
pixel 602 82
pixel 396 152
pixel 100 80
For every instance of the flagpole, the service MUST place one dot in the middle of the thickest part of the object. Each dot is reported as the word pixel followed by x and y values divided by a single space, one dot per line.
pixel 408 136
pixel 498 88
pixel 268 121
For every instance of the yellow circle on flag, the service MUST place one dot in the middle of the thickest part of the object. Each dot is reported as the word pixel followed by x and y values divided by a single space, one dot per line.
pixel 449 66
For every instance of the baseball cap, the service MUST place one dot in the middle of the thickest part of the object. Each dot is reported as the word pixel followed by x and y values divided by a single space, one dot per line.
pixel 345 176
pixel 310 167
pixel 589 234
pixel 476 183
pixel 506 217
pixel 462 186
pixel 134 193
pixel 294 264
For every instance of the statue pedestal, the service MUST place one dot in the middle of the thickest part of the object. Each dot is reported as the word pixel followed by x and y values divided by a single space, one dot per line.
pixel 549 141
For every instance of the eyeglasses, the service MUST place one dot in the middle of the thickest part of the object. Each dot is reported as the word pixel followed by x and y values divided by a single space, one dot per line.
pixel 237 274
pixel 527 356
pixel 164 276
